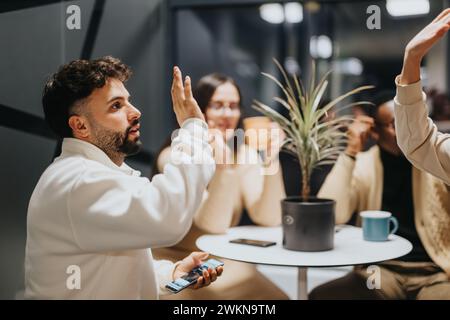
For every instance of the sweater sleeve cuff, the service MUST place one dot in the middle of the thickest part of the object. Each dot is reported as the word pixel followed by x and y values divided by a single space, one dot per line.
pixel 190 144
pixel 410 93
pixel 189 123
pixel 165 270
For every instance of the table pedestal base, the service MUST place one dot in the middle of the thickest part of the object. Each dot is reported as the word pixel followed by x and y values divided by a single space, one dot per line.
pixel 302 285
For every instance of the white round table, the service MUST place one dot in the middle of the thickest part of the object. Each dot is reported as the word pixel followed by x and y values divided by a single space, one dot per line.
pixel 349 249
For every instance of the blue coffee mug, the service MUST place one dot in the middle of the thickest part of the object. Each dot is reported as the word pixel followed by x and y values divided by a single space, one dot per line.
pixel 376 225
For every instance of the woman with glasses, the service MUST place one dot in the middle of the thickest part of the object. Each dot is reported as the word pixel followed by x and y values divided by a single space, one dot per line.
pixel 238 189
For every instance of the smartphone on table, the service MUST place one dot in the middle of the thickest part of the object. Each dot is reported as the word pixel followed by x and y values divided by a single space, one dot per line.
pixel 250 242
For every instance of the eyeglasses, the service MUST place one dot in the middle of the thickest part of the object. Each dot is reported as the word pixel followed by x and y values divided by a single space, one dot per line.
pixel 221 107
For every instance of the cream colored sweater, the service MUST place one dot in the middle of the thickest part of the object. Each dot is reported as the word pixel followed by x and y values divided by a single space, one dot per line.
pixel 417 136
pixel 229 192
pixel 428 150
pixel 357 186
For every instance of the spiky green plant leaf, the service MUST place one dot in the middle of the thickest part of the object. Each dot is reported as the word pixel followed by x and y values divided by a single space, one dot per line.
pixel 314 140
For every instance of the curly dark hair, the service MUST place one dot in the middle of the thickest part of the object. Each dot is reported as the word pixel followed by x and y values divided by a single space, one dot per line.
pixel 74 82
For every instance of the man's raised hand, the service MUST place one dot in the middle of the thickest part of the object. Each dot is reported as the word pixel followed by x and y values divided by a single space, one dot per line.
pixel 184 104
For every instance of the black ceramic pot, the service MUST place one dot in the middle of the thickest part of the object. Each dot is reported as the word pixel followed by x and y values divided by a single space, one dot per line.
pixel 308 226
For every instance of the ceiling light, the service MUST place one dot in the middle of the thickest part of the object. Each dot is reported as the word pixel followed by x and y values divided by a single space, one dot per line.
pixel 320 47
pixel 272 13
pixel 400 8
pixel 293 12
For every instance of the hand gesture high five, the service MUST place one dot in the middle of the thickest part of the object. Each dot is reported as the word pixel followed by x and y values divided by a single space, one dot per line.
pixel 419 46
pixel 184 104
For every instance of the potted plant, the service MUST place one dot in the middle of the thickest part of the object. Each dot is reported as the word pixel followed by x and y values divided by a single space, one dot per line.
pixel 308 222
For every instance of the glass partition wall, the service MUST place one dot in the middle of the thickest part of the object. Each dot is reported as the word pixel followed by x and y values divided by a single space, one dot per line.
pixel 361 41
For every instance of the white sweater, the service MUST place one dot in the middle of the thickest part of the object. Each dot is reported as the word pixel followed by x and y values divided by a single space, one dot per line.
pixel 91 224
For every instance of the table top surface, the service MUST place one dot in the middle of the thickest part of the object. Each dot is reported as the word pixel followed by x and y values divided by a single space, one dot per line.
pixel 349 248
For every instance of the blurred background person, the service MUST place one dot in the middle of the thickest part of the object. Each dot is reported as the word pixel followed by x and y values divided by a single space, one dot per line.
pixel 383 179
pixel 237 191
pixel 440 105
pixel 440 109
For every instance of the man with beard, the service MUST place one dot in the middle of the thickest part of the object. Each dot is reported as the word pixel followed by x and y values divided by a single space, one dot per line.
pixel 92 219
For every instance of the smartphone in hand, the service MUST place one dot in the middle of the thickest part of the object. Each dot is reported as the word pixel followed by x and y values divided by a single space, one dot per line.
pixel 191 278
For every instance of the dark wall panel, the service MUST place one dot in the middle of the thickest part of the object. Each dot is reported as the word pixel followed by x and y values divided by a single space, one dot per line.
pixel 35 42
pixel 24 158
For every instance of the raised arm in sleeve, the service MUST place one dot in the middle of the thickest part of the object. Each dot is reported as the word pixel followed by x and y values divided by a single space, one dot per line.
pixel 417 135
pixel 113 211
pixel 342 186
pixel 216 209
pixel 262 194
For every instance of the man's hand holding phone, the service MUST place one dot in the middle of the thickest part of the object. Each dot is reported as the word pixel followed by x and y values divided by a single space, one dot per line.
pixel 189 270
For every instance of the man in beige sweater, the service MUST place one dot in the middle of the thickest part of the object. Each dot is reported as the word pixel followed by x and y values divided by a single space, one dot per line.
pixel 382 179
